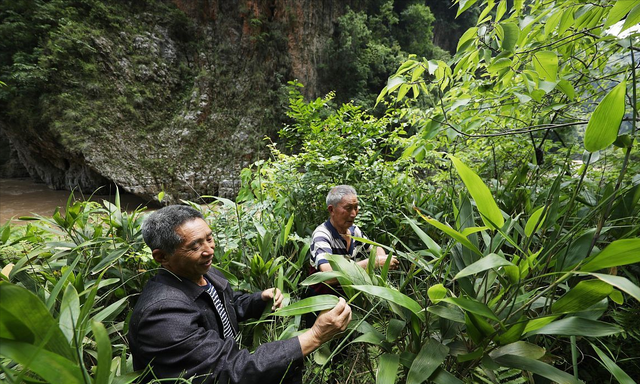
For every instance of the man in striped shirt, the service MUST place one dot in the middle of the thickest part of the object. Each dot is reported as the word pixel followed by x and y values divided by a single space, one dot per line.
pixel 334 237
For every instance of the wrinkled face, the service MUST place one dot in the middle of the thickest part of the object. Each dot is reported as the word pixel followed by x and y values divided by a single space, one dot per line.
pixel 344 213
pixel 193 257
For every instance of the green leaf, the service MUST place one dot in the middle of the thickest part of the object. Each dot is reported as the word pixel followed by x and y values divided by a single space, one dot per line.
pixel 103 371
pixel 53 368
pixel 509 34
pixel 577 326
pixel 546 64
pixel 622 283
pixel 426 239
pixel 473 306
pixel 567 88
pixel 612 367
pixel 537 367
pixel 310 304
pixel 619 10
pixel 618 253
pixel 387 369
pixel 519 348
pixel 465 39
pixel 431 355
pixel 535 221
pixel 463 5
pixel 452 313
pixel 481 194
pixel 28 320
pixel 394 296
pixel 582 296
pixel 490 261
pixel 633 19
pixel 603 126
pixel 436 293
pixel 320 277
pixel 69 312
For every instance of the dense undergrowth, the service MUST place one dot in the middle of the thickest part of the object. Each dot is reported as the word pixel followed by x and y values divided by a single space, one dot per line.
pixel 517 227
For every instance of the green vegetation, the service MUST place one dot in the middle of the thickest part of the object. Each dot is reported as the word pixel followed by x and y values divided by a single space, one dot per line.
pixel 506 182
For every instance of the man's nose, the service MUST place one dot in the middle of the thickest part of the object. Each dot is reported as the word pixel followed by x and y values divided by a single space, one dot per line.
pixel 208 249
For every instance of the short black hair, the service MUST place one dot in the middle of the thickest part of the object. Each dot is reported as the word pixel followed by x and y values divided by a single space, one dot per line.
pixel 159 228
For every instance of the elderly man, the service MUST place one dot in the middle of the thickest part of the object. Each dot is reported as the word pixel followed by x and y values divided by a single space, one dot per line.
pixel 334 237
pixel 186 319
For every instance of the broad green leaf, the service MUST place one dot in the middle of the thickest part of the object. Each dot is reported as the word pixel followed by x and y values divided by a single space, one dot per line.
pixel 538 323
pixel 443 377
pixel 453 233
pixel 618 253
pixel 582 296
pixel 352 273
pixel 612 367
pixel 319 277
pixel 436 293
pixel 481 194
pixel 490 261
pixel 387 369
pixel 467 37
pixel 463 5
pixel 537 367
pixel 603 126
pixel 502 8
pixel 622 283
pixel 577 326
pixel 535 221
pixel 546 64
pixel 103 371
pixel 633 19
pixel 53 368
pixel 310 304
pixel 619 10
pixel 431 355
pixel 394 82
pixel 26 317
pixel 509 34
pixel 567 88
pixel 498 65
pixel 69 312
pixel 393 296
pixel 519 348
pixel 452 313
pixel 473 306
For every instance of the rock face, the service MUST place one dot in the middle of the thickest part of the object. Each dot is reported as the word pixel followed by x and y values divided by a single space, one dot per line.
pixel 170 103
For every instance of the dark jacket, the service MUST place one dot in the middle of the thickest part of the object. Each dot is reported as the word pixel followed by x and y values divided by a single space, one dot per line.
pixel 176 330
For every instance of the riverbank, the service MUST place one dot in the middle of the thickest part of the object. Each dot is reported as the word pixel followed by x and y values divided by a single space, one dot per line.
pixel 25 197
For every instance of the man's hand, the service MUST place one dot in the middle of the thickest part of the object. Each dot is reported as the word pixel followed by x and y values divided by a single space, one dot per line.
pixel 382 259
pixel 328 324
pixel 275 295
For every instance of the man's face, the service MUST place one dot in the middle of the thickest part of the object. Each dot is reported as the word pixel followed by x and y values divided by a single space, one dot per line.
pixel 344 213
pixel 192 258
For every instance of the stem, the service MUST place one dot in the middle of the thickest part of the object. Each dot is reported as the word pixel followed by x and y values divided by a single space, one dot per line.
pixel 574 356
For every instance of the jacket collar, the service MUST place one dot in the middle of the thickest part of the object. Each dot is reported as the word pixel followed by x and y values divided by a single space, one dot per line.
pixel 188 287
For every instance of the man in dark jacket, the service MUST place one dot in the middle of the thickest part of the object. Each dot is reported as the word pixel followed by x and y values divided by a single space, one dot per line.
pixel 185 321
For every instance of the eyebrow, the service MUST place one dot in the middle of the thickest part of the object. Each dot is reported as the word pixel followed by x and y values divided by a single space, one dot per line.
pixel 197 241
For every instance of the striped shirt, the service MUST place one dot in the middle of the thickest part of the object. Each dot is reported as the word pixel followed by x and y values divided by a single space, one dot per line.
pixel 222 312
pixel 327 240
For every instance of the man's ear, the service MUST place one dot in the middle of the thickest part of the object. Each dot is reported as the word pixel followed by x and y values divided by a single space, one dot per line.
pixel 330 208
pixel 159 256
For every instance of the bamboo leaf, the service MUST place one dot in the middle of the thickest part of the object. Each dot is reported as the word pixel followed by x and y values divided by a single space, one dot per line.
pixel 490 261
pixel 577 326
pixel 103 371
pixel 473 306
pixel 23 317
pixel 430 357
pixel 387 369
pixel 481 194
pixel 453 233
pixel 618 253
pixel 53 368
pixel 582 296
pixel 310 304
pixel 603 126
pixel 612 367
pixel 535 221
pixel 320 277
pixel 519 348
pixel 426 239
pixel 394 296
pixel 537 367
pixel 622 283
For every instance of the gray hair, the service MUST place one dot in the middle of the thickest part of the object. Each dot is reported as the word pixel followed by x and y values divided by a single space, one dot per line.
pixel 159 228
pixel 336 194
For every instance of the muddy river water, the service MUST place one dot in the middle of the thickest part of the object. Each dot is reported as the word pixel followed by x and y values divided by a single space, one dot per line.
pixel 24 197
